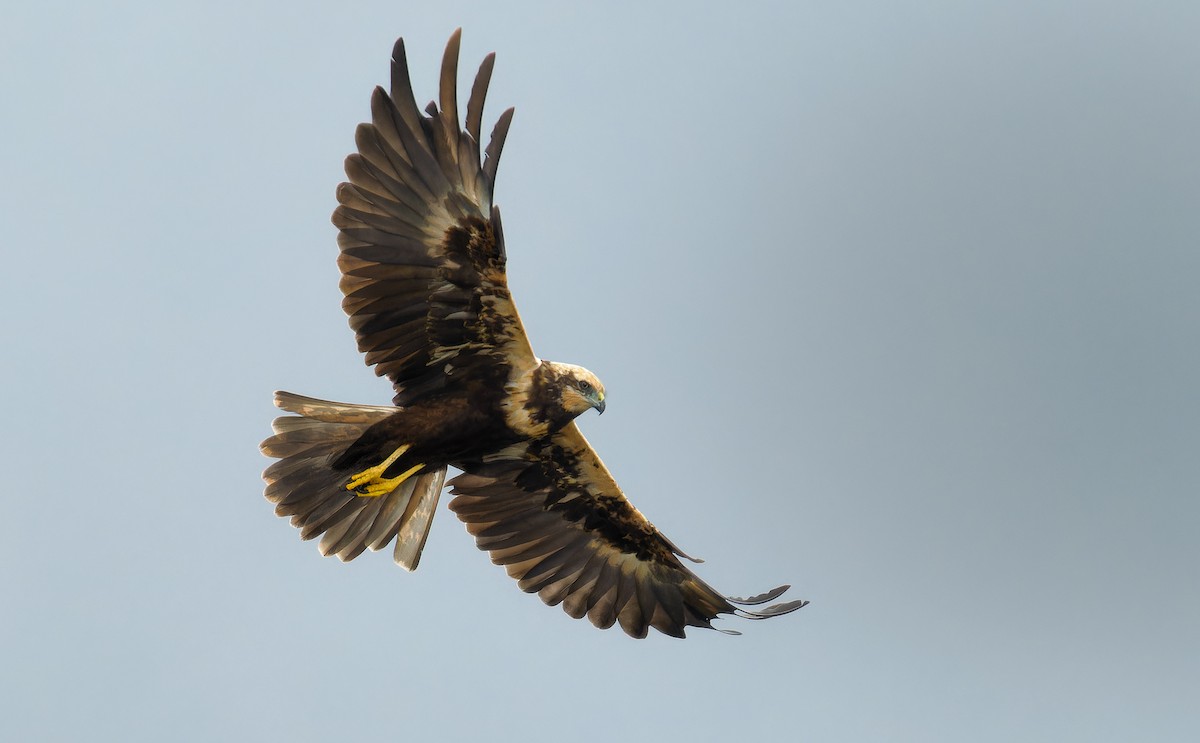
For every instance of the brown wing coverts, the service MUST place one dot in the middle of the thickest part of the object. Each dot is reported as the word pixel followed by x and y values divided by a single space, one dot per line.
pixel 550 512
pixel 422 250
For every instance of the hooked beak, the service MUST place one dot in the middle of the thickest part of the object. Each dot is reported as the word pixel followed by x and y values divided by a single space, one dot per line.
pixel 598 404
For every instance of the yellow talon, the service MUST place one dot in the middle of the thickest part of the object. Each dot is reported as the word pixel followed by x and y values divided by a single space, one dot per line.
pixel 382 486
pixel 371 483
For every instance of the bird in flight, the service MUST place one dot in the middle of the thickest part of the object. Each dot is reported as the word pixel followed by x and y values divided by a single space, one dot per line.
pixel 422 259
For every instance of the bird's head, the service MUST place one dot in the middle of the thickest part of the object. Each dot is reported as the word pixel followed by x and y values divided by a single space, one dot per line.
pixel 579 388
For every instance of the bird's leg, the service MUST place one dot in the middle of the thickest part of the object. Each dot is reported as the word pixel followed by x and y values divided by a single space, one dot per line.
pixel 371 483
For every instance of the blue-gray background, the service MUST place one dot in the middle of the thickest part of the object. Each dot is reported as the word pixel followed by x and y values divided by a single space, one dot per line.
pixel 895 301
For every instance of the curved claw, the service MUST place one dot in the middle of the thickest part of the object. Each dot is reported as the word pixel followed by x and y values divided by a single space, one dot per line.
pixel 371 483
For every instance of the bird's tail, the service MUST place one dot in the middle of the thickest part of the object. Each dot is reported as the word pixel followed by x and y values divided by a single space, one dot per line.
pixel 304 485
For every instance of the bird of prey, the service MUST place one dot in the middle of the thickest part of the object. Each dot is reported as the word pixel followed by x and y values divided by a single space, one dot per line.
pixel 422 258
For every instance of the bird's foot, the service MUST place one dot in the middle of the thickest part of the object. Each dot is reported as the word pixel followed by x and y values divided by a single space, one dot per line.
pixel 370 483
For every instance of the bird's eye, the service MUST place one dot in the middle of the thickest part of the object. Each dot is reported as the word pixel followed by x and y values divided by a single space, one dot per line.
pixel 585 386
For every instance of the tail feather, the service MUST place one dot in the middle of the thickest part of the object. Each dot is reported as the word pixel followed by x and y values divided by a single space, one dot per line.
pixel 332 412
pixel 414 527
pixel 304 486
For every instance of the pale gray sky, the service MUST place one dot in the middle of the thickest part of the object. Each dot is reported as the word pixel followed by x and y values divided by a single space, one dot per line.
pixel 894 301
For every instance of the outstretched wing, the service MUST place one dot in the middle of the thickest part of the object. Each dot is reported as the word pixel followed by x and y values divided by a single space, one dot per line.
pixel 422 251
pixel 550 512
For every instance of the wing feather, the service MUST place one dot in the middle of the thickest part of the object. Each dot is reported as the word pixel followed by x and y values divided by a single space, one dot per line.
pixel 478 95
pixel 582 588
pixel 422 255
pixel 549 511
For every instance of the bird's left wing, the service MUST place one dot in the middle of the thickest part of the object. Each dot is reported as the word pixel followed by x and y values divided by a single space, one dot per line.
pixel 550 512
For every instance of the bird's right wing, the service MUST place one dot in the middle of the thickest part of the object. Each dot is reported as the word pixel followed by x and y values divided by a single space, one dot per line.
pixel 550 512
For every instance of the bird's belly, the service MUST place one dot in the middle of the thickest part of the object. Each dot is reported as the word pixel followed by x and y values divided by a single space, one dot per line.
pixel 434 432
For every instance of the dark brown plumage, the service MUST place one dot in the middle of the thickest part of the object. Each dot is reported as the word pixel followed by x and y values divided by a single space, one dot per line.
pixel 423 274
